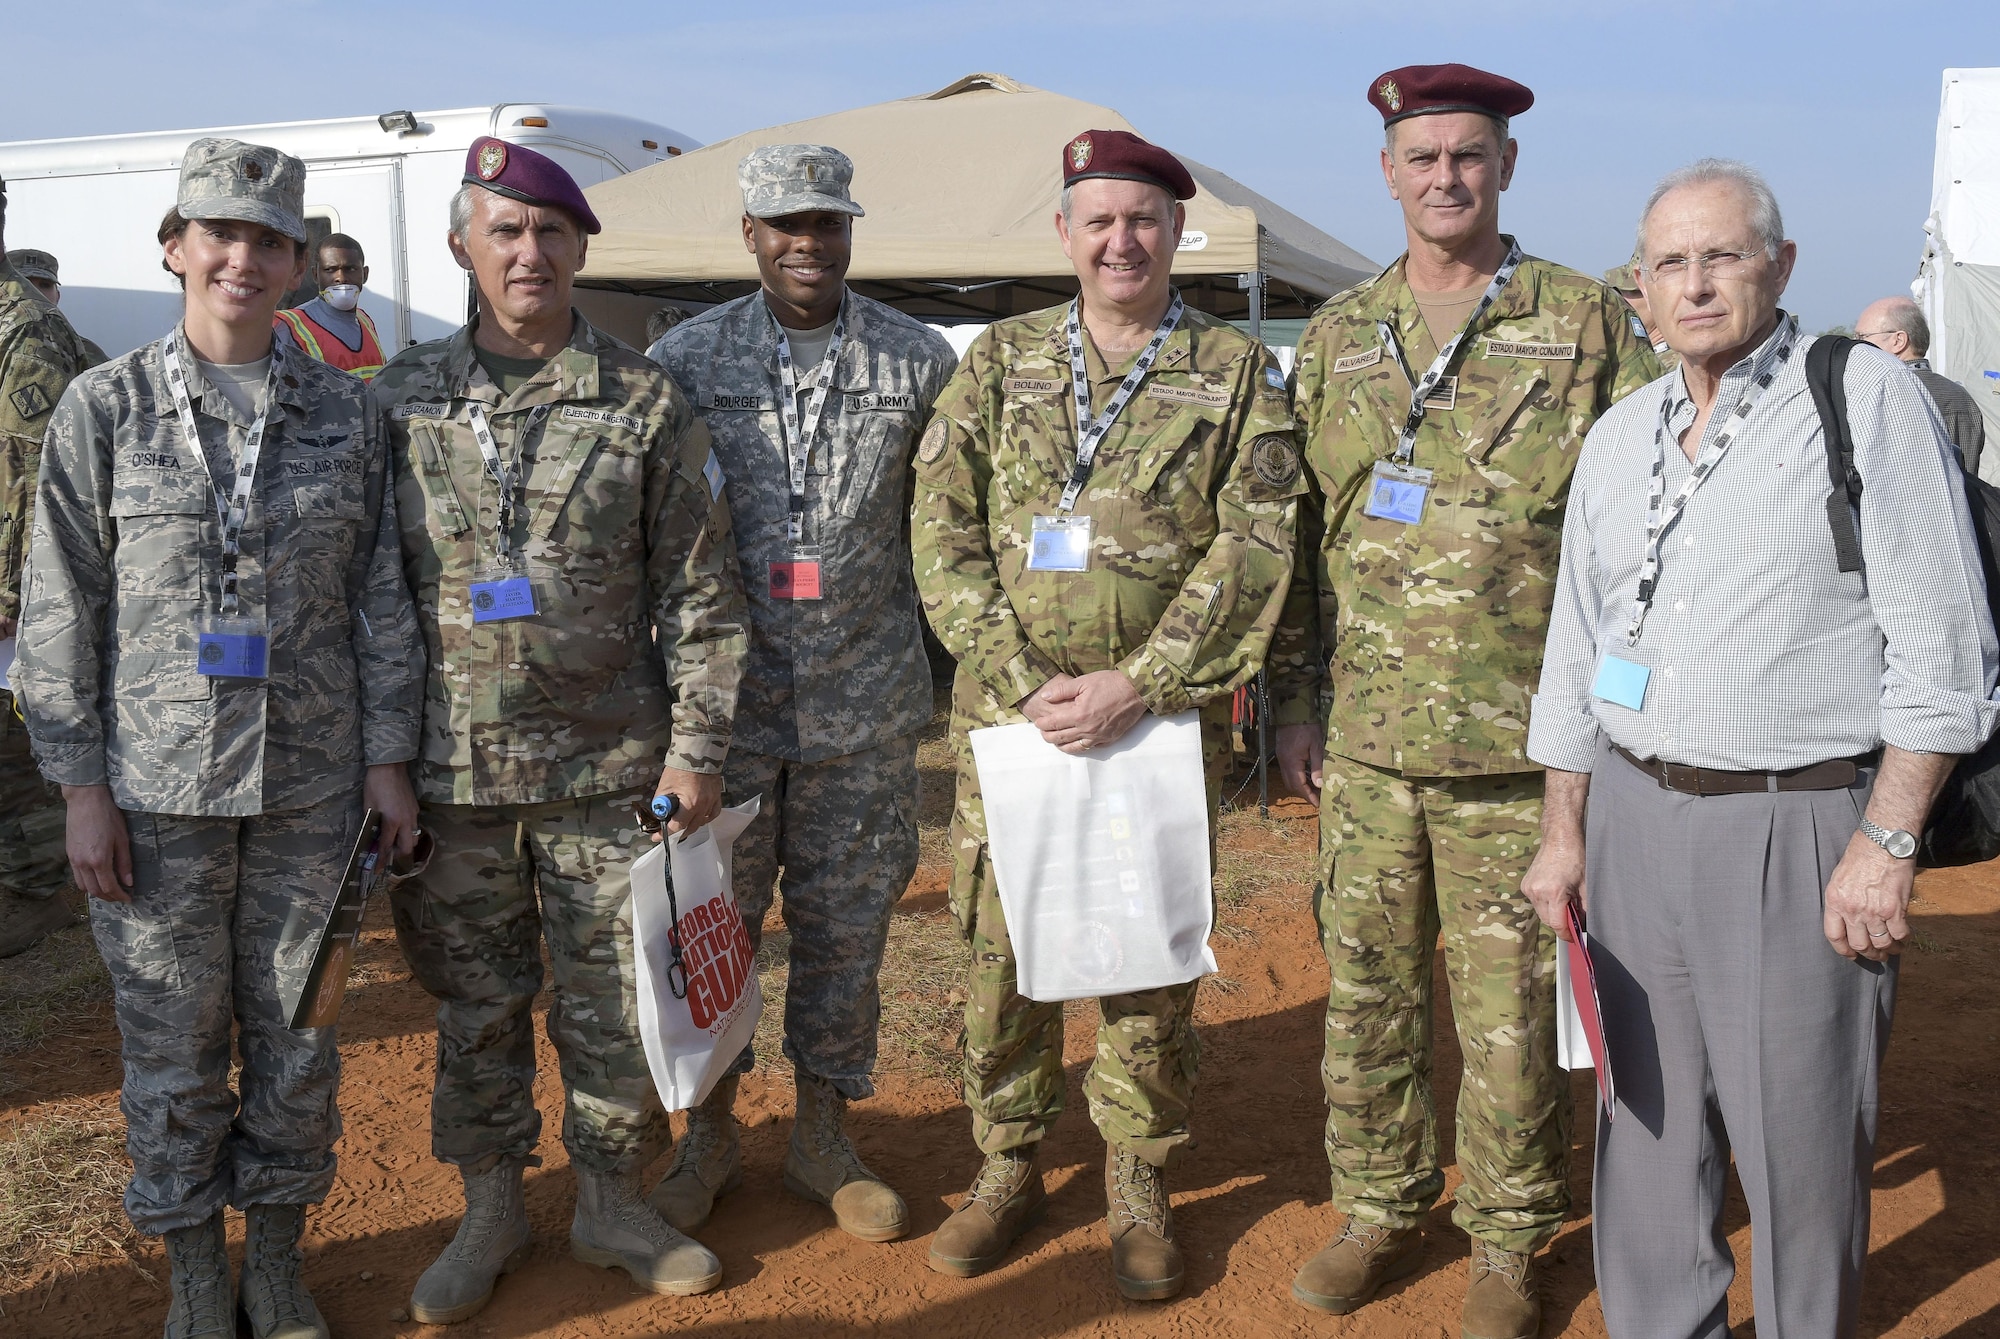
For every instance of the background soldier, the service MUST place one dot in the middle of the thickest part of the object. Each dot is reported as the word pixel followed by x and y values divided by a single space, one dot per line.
pixel 569 548
pixel 1192 492
pixel 217 638
pixel 332 327
pixel 838 684
pixel 39 353
pixel 1627 286
pixel 1436 554
pixel 42 270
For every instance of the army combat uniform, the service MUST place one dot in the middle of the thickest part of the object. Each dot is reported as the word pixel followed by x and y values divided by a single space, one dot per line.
pixel 1193 500
pixel 39 353
pixel 242 795
pixel 837 685
pixel 1429 645
pixel 540 730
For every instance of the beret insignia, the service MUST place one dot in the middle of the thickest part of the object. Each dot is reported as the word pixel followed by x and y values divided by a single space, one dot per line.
pixel 492 160
pixel 1275 460
pixel 1079 153
pixel 1391 95
pixel 933 444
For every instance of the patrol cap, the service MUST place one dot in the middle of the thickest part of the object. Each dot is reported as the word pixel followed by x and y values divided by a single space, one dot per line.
pixel 781 179
pixel 228 179
pixel 33 264
pixel 524 175
pixel 1423 90
pixel 1623 279
pixel 1123 156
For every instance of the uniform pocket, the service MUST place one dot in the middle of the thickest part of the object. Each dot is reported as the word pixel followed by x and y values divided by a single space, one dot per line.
pixel 160 518
pixel 137 944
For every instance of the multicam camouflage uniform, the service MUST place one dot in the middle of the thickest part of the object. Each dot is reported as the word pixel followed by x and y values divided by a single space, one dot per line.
pixel 538 731
pixel 837 687
pixel 39 353
pixel 1625 280
pixel 1193 496
pixel 1433 636
pixel 242 795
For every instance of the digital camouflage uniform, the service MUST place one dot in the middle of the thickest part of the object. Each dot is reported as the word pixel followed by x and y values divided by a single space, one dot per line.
pixel 39 353
pixel 1193 497
pixel 242 796
pixel 1431 810
pixel 539 731
pixel 837 687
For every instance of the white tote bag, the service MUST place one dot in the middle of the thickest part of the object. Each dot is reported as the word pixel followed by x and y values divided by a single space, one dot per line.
pixel 695 1018
pixel 1101 858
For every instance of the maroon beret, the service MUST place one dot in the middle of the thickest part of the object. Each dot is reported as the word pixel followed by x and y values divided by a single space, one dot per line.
pixel 1418 90
pixel 524 175
pixel 1123 156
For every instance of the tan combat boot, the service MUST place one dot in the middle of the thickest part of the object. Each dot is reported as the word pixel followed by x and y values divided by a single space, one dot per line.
pixel 708 1162
pixel 618 1230
pixel 1144 1259
pixel 1502 1302
pixel 1006 1200
pixel 1357 1262
pixel 492 1239
pixel 274 1297
pixel 204 1294
pixel 822 1166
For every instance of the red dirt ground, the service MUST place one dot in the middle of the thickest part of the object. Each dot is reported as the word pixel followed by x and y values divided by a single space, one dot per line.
pixel 1250 1204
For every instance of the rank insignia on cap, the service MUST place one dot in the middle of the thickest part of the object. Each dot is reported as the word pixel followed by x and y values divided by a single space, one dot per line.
pixel 1391 94
pixel 492 160
pixel 1079 153
pixel 253 170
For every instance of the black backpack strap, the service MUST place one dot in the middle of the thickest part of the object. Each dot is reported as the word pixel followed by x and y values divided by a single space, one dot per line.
pixel 1826 376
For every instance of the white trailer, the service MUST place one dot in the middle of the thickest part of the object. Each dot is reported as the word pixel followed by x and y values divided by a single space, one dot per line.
pixel 1958 281
pixel 95 203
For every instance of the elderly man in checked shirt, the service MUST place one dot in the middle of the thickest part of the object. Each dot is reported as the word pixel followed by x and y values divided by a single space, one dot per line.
pixel 1757 740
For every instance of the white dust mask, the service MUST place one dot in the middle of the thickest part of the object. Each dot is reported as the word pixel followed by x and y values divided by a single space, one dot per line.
pixel 342 297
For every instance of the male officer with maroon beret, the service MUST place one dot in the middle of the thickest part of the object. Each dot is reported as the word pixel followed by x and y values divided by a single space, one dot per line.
pixel 1443 404
pixel 1174 516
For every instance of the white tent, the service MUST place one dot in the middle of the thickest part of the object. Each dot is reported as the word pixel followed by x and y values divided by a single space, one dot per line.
pixel 1958 283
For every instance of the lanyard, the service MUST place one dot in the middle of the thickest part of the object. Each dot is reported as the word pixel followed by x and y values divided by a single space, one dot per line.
pixel 230 511
pixel 507 477
pixel 1658 516
pixel 1090 433
pixel 799 435
pixel 1422 387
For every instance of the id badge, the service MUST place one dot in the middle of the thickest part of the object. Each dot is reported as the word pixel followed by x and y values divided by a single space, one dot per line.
pixel 1398 492
pixel 502 593
pixel 233 648
pixel 796 578
pixel 1060 544
pixel 1621 683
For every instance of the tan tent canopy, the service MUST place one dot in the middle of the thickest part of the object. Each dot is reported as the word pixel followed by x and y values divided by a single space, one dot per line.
pixel 961 187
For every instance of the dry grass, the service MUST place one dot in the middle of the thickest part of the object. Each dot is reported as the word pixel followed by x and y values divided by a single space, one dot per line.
pixel 62 1177
pixel 50 991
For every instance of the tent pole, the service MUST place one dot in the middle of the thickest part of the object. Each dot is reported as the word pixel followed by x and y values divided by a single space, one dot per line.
pixel 1254 281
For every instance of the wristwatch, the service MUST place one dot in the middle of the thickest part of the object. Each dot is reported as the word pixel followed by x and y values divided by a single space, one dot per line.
pixel 1899 843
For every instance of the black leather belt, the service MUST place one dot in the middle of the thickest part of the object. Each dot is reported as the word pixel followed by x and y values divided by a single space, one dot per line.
pixel 1834 774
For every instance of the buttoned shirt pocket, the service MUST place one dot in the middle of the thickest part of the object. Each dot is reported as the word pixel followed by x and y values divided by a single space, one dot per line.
pixel 159 515
pixel 157 735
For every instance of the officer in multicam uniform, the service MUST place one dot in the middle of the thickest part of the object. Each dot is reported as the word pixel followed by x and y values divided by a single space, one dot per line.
pixel 566 538
pixel 838 684
pixel 39 353
pixel 43 271
pixel 1626 284
pixel 1433 556
pixel 220 665
pixel 1166 601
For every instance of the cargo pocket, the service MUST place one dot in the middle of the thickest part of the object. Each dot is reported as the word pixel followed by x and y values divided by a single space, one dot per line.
pixel 136 938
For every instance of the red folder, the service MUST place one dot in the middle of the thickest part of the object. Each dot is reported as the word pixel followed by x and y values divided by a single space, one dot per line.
pixel 1582 972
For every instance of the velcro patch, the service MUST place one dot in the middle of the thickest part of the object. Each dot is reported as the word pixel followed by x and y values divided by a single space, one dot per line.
pixel 1354 362
pixel 1508 348
pixel 1030 386
pixel 31 401
pixel 933 444
pixel 863 402
pixel 1275 460
pixel 1188 395
pixel 580 414
pixel 751 403
pixel 406 412
pixel 1444 395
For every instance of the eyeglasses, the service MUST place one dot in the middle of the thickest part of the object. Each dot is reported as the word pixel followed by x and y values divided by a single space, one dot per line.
pixel 1875 334
pixel 1719 264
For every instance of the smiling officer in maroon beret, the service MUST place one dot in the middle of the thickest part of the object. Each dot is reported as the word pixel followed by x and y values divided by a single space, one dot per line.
pixel 1443 403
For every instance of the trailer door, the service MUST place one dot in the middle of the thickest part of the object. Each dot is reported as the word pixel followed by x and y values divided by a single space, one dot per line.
pixel 365 201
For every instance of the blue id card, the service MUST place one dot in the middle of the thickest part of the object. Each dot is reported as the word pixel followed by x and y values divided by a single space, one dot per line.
pixel 504 597
pixel 1059 544
pixel 233 648
pixel 1621 682
pixel 1397 492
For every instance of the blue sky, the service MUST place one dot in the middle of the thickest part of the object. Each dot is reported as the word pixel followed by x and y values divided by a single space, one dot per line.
pixel 1836 102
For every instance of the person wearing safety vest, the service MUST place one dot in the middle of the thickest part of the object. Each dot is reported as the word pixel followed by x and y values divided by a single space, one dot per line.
pixel 332 327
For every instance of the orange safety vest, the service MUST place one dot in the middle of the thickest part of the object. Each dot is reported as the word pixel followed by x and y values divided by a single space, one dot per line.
pixel 326 346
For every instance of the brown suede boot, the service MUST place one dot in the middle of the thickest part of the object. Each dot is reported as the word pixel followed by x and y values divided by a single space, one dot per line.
pixel 1006 1200
pixel 1356 1263
pixel 708 1162
pixel 1501 1303
pixel 1144 1260
pixel 821 1165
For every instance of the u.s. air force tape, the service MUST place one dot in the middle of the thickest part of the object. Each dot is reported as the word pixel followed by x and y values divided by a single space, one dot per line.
pixel 932 446
pixel 1274 460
